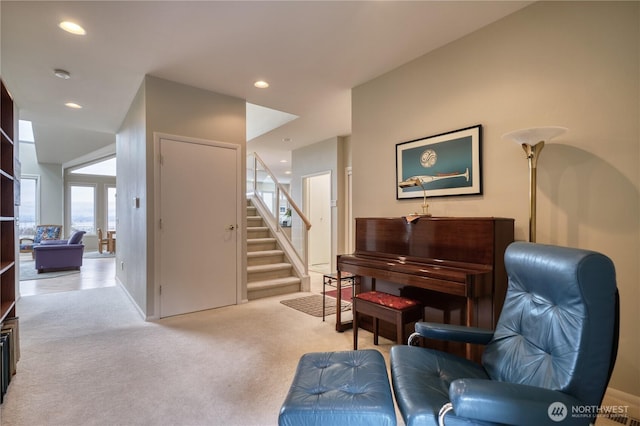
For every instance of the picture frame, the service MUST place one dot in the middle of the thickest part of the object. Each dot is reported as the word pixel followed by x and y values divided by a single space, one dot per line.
pixel 447 164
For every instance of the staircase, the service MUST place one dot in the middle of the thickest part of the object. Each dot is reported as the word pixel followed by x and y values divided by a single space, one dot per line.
pixel 269 273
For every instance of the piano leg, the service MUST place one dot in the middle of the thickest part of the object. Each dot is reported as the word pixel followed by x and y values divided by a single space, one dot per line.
pixel 339 303
pixel 470 308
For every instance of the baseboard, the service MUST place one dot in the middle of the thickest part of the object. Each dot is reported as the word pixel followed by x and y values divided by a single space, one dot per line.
pixel 134 303
pixel 624 409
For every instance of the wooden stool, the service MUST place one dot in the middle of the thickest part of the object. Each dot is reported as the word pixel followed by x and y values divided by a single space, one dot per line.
pixel 387 307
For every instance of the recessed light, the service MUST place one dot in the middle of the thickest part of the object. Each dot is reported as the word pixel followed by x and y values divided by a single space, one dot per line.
pixel 288 172
pixel 261 84
pixel 283 161
pixel 72 27
pixel 73 105
pixel 286 139
pixel 63 74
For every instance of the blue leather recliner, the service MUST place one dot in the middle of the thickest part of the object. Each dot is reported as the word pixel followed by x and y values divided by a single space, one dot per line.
pixel 547 362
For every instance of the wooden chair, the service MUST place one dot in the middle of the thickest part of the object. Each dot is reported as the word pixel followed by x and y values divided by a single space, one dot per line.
pixel 103 243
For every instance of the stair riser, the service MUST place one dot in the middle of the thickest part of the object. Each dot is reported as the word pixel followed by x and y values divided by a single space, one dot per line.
pixel 258 234
pixel 269 292
pixel 265 260
pixel 254 221
pixel 261 246
pixel 268 275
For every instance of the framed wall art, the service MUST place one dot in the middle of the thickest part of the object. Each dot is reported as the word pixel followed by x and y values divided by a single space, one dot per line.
pixel 441 165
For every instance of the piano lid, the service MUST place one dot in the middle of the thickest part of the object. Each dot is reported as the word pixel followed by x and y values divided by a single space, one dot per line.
pixel 457 239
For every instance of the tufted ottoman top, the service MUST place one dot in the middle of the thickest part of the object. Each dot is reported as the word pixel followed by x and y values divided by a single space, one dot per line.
pixel 339 388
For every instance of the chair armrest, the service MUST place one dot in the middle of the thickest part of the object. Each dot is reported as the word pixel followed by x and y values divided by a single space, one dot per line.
pixel 53 242
pixel 454 333
pixel 52 247
pixel 26 239
pixel 512 403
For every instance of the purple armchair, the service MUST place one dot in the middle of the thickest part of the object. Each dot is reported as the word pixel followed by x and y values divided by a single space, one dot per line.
pixel 56 255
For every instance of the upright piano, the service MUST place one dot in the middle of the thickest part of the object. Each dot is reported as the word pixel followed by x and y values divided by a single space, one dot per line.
pixel 455 257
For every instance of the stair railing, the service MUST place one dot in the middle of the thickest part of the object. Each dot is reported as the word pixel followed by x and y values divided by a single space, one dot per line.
pixel 283 214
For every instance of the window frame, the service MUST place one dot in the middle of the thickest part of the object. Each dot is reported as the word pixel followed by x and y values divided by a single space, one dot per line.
pixel 37 200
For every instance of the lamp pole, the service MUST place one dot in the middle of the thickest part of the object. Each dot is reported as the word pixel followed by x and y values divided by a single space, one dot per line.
pixel 533 152
pixel 532 141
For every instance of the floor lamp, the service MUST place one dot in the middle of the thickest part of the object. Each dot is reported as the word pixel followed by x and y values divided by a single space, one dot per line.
pixel 532 141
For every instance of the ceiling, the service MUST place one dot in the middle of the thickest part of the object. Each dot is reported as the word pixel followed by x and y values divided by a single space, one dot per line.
pixel 311 52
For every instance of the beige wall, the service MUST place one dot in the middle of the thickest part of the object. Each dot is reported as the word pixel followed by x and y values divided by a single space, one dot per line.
pixel 572 64
pixel 167 107
pixel 321 157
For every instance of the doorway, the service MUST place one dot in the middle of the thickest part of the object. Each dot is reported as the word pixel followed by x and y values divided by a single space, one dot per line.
pixel 198 210
pixel 317 208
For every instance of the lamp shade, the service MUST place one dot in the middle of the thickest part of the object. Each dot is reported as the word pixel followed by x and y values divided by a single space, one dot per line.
pixel 534 135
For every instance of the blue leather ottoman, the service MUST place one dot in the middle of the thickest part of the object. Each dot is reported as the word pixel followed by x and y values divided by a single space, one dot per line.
pixel 339 388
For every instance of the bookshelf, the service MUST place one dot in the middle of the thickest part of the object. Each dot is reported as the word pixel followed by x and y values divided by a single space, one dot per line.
pixel 8 321
pixel 7 215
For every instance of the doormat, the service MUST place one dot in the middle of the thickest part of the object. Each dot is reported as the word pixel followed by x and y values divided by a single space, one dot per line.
pixel 312 305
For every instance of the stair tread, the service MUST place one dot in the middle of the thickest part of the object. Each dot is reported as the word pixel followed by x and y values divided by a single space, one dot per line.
pixel 265 253
pixel 275 282
pixel 260 240
pixel 268 267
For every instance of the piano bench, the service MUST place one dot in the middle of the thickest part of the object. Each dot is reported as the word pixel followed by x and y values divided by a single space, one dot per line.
pixel 397 310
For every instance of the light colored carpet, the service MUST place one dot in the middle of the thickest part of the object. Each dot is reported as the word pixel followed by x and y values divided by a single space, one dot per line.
pixel 89 359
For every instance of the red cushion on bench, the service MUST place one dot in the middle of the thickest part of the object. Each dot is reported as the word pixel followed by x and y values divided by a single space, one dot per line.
pixel 386 299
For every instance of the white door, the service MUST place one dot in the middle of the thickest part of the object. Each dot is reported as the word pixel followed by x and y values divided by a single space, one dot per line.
pixel 198 236
pixel 318 211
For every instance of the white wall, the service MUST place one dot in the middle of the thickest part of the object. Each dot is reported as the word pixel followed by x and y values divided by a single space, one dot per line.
pixel 164 107
pixel 572 64
pixel 51 185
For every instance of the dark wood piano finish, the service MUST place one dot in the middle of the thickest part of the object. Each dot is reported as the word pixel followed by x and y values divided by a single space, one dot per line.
pixel 453 256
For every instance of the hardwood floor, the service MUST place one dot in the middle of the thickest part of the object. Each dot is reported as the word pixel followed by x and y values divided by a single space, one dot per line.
pixel 95 273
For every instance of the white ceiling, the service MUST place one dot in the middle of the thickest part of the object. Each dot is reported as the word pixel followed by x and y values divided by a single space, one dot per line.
pixel 311 52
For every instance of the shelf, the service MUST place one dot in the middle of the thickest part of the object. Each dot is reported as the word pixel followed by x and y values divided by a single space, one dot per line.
pixel 4 266
pixel 5 309
pixel 5 136
pixel 6 175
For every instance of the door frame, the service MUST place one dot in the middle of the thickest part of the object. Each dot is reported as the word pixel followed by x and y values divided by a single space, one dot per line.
pixel 157 136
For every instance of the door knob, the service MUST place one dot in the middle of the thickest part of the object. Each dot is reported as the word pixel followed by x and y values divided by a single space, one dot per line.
pixel 230 227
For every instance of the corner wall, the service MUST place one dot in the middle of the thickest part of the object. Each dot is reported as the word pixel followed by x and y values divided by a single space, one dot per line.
pixel 163 106
pixel 572 64
pixel 320 157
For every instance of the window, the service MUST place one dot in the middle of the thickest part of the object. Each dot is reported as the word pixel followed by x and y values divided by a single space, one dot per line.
pixel 103 168
pixel 28 206
pixel 83 210
pixel 111 208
